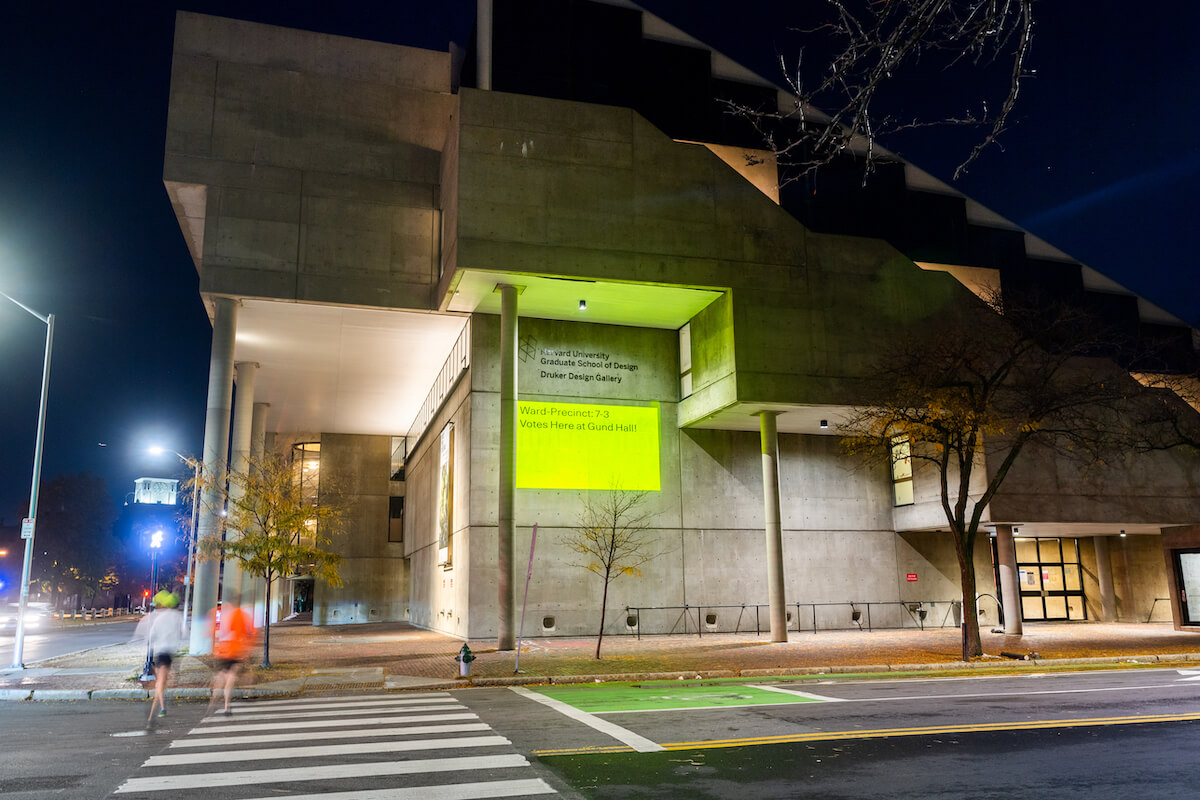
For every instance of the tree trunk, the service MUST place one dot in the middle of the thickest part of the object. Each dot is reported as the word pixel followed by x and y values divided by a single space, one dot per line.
pixel 266 662
pixel 971 645
pixel 603 608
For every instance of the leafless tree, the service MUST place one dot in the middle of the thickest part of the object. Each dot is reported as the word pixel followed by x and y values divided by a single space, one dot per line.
pixel 967 399
pixel 861 56
pixel 612 540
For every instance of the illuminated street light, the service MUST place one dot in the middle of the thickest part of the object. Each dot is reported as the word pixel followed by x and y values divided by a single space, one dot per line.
pixel 196 466
pixel 28 524
pixel 155 545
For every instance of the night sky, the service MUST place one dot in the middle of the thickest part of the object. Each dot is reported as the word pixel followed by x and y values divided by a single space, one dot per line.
pixel 1101 164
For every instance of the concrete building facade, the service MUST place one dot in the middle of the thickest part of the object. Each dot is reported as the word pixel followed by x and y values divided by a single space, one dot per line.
pixel 479 305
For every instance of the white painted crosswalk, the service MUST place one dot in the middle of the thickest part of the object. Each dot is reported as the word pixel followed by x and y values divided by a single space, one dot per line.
pixel 424 746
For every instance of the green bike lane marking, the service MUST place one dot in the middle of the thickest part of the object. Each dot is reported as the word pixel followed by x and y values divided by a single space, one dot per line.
pixel 665 697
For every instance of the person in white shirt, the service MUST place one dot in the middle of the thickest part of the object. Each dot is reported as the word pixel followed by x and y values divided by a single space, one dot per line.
pixel 161 629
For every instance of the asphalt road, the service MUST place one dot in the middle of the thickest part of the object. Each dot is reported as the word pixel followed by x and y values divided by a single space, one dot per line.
pixel 59 641
pixel 1120 734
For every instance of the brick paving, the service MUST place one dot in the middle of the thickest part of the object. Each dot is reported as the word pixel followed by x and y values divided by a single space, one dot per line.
pixel 308 659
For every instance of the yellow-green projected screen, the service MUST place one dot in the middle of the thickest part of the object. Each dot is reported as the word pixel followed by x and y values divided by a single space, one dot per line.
pixel 577 446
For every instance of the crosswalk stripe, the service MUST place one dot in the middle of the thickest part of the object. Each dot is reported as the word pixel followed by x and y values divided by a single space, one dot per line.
pixel 308 736
pixel 317 773
pixel 275 705
pixel 336 712
pixel 338 698
pixel 448 791
pixel 227 756
pixel 456 712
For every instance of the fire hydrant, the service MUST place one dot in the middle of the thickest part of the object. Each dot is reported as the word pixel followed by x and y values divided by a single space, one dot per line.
pixel 464 659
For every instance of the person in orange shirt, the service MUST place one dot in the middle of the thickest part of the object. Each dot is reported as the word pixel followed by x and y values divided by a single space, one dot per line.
pixel 233 636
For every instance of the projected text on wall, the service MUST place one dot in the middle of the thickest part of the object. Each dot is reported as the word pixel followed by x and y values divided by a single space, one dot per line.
pixel 584 446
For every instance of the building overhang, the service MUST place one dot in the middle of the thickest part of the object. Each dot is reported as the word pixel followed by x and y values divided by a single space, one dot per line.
pixel 789 418
pixel 340 369
pixel 639 305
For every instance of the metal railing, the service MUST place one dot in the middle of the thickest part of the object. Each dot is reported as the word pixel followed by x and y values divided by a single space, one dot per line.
pixel 1150 616
pixel 456 364
pixel 847 615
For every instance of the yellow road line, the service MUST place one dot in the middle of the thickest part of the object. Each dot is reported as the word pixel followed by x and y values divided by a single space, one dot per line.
pixel 883 733
pixel 983 727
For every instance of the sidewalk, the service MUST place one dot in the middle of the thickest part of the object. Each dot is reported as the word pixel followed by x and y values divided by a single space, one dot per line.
pixel 394 656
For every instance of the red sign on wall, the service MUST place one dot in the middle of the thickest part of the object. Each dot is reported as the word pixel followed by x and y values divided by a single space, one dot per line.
pixel 912 577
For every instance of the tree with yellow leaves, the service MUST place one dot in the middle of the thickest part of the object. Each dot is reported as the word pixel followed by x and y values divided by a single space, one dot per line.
pixel 612 540
pixel 272 530
pixel 964 399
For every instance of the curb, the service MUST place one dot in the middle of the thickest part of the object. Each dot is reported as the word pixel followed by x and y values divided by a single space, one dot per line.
pixel 61 694
pixel 115 694
pixel 991 665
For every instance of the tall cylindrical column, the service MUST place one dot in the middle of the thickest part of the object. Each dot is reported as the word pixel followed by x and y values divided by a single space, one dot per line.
pixel 483 44
pixel 774 529
pixel 505 633
pixel 236 581
pixel 1108 595
pixel 1010 589
pixel 216 448
pixel 258 435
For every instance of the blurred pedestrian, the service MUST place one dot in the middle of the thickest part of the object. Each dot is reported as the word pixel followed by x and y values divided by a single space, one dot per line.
pixel 160 629
pixel 233 635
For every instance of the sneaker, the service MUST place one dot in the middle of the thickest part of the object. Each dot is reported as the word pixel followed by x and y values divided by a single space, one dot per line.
pixel 228 713
pixel 162 713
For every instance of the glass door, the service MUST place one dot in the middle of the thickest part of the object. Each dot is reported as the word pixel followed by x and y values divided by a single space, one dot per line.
pixel 1187 578
pixel 1050 579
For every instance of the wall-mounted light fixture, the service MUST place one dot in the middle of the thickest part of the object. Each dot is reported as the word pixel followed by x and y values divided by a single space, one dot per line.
pixel 583 305
pixel 1122 533
pixel 824 424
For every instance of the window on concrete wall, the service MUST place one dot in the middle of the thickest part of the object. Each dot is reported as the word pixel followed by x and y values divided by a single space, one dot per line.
pixel 395 519
pixel 685 361
pixel 902 479
pixel 399 455
pixel 306 469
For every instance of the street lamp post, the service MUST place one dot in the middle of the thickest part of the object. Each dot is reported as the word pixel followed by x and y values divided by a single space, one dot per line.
pixel 155 545
pixel 27 526
pixel 196 466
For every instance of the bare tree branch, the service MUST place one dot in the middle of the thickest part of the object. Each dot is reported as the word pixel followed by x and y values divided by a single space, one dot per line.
pixel 876 45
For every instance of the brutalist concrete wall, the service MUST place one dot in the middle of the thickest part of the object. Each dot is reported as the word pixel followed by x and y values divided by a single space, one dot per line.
pixel 1158 488
pixel 561 592
pixel 439 592
pixel 305 166
pixel 836 519
pixel 374 572
pixel 707 525
pixel 930 557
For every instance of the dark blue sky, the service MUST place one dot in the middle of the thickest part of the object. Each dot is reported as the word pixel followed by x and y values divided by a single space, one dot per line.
pixel 1100 164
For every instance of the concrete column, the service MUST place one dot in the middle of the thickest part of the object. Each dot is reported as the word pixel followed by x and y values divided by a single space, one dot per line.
pixel 505 633
pixel 483 44
pixel 235 580
pixel 774 530
pixel 216 449
pixel 1010 589
pixel 258 434
pixel 1108 595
